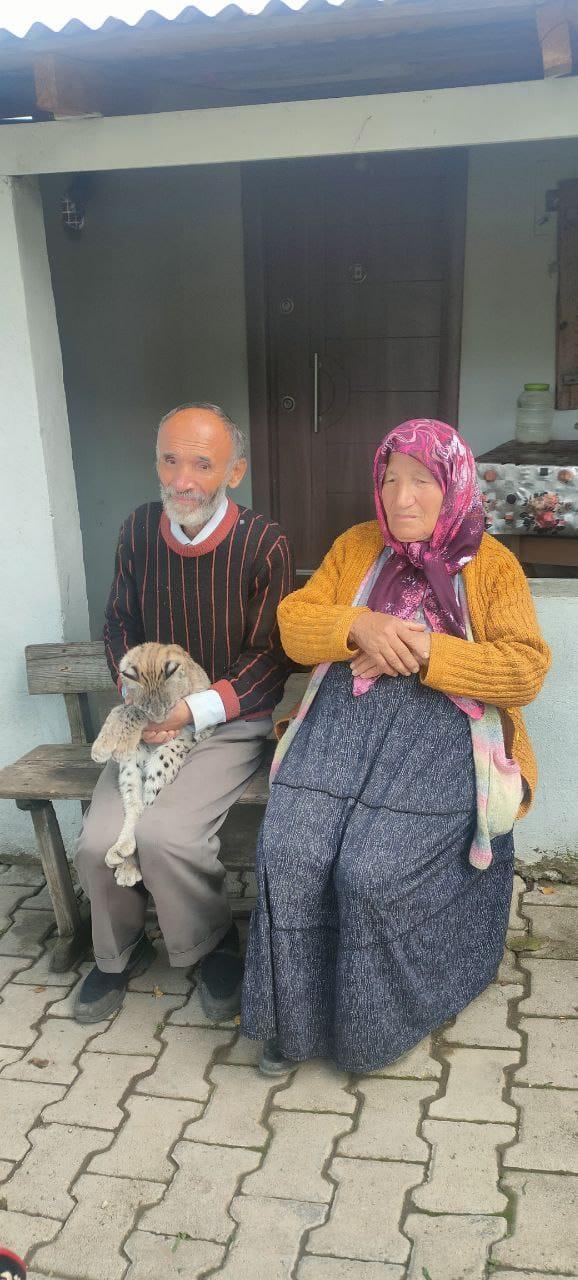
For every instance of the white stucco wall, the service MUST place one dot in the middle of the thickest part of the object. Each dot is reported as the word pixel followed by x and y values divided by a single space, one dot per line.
pixel 151 312
pixel 509 325
pixel 550 831
pixel 42 585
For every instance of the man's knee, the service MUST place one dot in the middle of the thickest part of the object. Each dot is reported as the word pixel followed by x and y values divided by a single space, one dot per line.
pixel 90 850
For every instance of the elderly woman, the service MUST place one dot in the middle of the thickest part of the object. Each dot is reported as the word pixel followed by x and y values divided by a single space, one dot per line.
pixel 385 860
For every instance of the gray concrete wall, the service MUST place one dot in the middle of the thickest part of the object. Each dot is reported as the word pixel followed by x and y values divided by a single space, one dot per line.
pixel 150 306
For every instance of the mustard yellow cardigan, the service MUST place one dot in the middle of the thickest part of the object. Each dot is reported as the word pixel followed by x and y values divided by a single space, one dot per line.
pixel 505 667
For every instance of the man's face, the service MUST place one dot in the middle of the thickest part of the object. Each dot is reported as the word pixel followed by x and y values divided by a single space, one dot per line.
pixel 194 466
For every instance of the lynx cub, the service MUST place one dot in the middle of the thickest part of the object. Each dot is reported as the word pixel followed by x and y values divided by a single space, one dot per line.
pixel 157 676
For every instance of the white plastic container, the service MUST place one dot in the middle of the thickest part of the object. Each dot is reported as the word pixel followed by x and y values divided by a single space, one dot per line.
pixel 535 412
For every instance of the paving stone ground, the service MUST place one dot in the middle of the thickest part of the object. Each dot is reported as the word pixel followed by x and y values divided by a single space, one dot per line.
pixel 149 1146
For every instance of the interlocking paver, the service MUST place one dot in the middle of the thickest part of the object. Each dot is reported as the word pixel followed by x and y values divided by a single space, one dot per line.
pixel 40 899
pixel 39 972
pixel 26 935
pixel 246 1053
pixel 317 1086
pixel 181 1070
pixel 555 895
pixel 508 971
pixel 6 1168
pixel 417 1064
pixel 553 988
pixel 169 1257
pixel 366 1211
pixel 141 1148
pixel 266 1244
pixel 347 1269
pixel 10 966
pixel 233 884
pixel 250 882
pixel 517 1275
pixel 136 1027
pixel 202 1189
pixel 21 1105
pixel 16 874
pixel 548 1133
pixel 52 1056
pixel 545 1222
pixel 40 1184
pixel 463 1173
pixel 11 895
pixel 552 1053
pixel 20 1009
pixel 559 927
pixel 233 1116
pixel 302 1142
pixel 516 921
pixel 389 1120
pixel 475 1085
pixel 451 1248
pixel 483 1022
pixel 162 976
pixel 191 1014
pixel 20 1231
pixel 88 1247
pixel 9 1055
pixel 94 1096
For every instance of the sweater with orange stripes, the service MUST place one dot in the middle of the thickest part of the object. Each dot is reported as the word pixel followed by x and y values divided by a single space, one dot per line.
pixel 218 599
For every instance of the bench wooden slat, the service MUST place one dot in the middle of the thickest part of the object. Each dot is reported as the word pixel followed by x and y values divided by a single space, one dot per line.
pixel 68 668
pixel 66 772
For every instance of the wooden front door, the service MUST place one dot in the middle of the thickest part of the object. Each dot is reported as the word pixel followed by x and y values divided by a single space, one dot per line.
pixel 354 281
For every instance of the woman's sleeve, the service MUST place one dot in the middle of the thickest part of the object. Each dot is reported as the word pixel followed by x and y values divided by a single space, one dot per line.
pixel 314 627
pixel 509 667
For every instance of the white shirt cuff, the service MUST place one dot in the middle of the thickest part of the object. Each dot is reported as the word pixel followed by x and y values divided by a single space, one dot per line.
pixel 207 709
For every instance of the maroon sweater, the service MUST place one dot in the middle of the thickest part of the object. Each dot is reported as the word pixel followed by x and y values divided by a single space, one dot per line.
pixel 218 600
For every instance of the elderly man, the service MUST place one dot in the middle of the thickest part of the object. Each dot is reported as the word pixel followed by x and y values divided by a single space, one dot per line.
pixel 200 571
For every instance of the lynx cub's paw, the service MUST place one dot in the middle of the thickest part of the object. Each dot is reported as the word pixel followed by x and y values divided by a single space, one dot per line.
pixel 103 747
pixel 128 874
pixel 123 849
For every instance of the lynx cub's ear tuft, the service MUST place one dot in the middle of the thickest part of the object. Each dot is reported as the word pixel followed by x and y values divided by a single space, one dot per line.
pixel 170 668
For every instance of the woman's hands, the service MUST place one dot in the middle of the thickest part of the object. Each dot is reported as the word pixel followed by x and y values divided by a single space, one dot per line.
pixel 388 646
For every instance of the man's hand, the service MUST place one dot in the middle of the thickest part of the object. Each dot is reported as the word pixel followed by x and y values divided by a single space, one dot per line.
pixel 156 734
pixel 388 645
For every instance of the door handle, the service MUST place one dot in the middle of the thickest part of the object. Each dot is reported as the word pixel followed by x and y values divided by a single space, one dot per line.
pixel 315 392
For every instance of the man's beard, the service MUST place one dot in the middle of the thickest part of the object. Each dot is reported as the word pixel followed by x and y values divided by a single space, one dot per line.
pixel 194 515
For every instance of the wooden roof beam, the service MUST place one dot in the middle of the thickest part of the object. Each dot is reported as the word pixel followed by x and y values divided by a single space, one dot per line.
pixel 67 88
pixel 553 22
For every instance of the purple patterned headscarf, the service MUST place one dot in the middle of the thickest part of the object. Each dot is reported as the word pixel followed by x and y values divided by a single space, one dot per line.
pixel 419 574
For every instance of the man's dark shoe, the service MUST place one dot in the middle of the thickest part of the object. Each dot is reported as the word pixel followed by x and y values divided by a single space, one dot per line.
pixel 101 994
pixel 221 979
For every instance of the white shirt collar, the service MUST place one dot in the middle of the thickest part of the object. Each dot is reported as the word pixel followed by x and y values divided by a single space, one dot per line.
pixel 206 530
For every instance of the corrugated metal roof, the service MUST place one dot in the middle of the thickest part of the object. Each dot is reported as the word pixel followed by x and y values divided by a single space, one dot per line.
pixel 31 19
pixel 44 20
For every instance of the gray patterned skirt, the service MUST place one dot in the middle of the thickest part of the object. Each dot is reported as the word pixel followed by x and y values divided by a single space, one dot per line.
pixel 371 927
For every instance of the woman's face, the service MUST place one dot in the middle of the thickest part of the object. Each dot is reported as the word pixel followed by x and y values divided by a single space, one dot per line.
pixel 412 498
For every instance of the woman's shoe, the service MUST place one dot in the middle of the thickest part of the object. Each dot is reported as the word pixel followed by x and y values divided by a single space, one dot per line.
pixel 273 1063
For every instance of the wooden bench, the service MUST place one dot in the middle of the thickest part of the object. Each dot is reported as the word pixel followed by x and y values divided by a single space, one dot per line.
pixel 65 771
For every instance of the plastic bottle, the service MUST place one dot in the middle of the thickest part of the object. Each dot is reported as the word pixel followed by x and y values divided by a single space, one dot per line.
pixel 535 412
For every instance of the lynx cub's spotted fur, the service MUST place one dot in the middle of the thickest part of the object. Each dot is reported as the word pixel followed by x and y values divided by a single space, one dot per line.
pixel 156 676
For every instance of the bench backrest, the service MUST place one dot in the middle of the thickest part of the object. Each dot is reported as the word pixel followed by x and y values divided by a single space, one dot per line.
pixel 74 670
